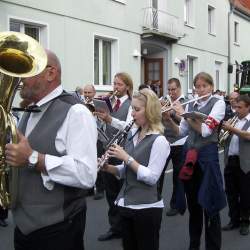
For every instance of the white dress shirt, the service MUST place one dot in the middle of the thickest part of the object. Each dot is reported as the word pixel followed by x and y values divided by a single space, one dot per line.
pixel 76 141
pixel 217 112
pixel 119 124
pixel 149 174
pixel 234 143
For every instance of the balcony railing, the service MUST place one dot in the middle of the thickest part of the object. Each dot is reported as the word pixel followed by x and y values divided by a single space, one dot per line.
pixel 162 22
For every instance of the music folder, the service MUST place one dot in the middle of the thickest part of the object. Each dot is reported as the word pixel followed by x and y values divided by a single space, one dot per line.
pixel 194 115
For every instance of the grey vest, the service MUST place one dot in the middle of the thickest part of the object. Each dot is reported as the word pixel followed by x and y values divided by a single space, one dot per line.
pixel 35 206
pixel 136 192
pixel 244 150
pixel 120 114
pixel 169 132
pixel 195 140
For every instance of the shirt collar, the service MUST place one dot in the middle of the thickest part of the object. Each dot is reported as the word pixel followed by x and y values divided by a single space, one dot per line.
pixel 246 118
pixel 123 98
pixel 56 92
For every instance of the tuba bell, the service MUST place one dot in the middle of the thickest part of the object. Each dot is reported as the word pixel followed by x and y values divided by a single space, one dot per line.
pixel 20 56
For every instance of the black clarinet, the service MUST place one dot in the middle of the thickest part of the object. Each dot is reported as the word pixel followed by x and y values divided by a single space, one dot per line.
pixel 118 139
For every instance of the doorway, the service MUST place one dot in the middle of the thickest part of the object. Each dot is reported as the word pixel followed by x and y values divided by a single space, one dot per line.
pixel 153 74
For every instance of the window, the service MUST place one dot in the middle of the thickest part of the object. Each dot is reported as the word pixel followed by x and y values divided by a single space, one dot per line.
pixel 104 50
pixel 236 32
pixel 188 12
pixel 218 74
pixel 28 29
pixel 211 21
pixel 192 69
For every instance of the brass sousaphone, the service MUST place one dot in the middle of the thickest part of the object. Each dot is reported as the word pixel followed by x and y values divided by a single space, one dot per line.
pixel 20 56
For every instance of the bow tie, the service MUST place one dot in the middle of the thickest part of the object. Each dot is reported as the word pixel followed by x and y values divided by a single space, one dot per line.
pixel 32 108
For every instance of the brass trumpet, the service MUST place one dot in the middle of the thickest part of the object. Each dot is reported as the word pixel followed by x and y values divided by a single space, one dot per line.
pixel 224 134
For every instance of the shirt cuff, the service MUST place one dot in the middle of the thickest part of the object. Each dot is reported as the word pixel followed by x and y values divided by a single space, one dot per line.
pixel 52 162
pixel 47 182
pixel 205 130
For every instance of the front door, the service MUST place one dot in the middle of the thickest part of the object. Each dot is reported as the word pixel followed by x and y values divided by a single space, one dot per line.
pixel 153 74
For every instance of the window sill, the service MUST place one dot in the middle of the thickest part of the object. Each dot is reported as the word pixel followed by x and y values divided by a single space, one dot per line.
pixel 211 34
pixel 120 1
pixel 104 87
pixel 189 25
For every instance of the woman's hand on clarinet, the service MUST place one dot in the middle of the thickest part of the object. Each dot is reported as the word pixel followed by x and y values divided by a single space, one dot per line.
pixel 118 152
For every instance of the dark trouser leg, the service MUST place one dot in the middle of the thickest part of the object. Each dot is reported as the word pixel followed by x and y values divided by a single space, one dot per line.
pixel 112 187
pixel 176 154
pixel 213 232
pixel 67 235
pixel 244 196
pixel 3 213
pixel 231 175
pixel 195 210
pixel 141 231
pixel 99 182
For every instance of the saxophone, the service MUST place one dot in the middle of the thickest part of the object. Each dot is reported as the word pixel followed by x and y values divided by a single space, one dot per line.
pixel 20 56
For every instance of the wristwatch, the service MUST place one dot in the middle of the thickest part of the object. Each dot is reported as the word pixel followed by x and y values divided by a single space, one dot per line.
pixel 33 159
pixel 130 160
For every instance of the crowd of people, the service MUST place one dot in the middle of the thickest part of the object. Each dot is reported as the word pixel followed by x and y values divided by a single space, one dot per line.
pixel 59 147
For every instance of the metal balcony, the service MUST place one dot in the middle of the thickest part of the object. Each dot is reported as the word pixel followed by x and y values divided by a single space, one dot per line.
pixel 160 23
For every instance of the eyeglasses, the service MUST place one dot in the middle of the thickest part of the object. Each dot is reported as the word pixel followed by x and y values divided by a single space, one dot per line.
pixel 173 89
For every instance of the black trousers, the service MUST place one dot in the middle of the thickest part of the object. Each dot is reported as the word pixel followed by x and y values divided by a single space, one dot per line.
pixel 112 188
pixel 212 224
pixel 237 185
pixel 100 187
pixel 140 228
pixel 67 235
pixel 3 213
pixel 175 155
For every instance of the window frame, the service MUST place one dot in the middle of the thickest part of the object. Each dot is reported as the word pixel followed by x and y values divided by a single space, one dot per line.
pixel 42 26
pixel 195 70
pixel 114 60
pixel 236 32
pixel 189 13
pixel 211 19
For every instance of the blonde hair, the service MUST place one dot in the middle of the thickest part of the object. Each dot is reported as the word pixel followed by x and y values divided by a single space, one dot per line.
pixel 126 78
pixel 152 109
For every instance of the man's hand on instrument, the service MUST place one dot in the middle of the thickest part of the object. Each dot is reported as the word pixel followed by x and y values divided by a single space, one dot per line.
pixel 104 115
pixel 226 125
pixel 17 155
pixel 178 108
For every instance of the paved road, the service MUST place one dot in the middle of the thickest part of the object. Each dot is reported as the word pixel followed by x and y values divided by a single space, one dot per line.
pixel 174 230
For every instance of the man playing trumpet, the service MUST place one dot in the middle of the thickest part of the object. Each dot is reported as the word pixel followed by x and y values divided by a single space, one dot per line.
pixel 237 170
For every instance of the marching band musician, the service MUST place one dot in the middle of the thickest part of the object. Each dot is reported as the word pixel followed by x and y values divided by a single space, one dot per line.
pixel 237 170
pixel 54 166
pixel 144 157
pixel 117 119
pixel 175 95
pixel 201 171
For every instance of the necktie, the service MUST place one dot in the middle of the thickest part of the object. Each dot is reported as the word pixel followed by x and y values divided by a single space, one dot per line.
pixel 117 105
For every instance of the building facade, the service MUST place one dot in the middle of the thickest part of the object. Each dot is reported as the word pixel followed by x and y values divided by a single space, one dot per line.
pixel 153 40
